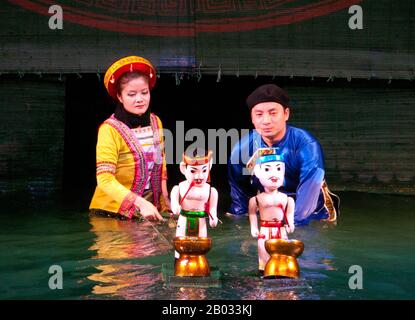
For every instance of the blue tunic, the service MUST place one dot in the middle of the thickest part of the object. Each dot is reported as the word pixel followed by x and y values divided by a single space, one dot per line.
pixel 304 173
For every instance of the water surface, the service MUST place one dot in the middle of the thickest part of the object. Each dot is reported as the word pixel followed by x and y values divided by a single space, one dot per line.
pixel 106 258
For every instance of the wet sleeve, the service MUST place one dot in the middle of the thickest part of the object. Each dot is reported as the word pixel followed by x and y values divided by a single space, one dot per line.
pixel 108 147
pixel 311 178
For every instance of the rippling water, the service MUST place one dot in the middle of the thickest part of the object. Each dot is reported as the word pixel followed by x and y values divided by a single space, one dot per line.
pixel 105 258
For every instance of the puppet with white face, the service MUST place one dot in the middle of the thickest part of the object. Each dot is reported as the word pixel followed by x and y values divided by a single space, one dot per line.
pixel 276 209
pixel 194 199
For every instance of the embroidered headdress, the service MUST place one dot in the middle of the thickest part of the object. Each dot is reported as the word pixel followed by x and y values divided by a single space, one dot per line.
pixel 128 64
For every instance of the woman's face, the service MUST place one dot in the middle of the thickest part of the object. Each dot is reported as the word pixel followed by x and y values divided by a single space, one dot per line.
pixel 135 96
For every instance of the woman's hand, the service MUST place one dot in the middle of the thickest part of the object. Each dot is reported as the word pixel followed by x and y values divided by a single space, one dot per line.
pixel 147 209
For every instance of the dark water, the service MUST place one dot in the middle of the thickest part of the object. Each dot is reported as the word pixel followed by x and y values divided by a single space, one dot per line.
pixel 104 258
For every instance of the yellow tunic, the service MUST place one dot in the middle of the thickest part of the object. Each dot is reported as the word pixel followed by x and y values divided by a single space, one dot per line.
pixel 122 168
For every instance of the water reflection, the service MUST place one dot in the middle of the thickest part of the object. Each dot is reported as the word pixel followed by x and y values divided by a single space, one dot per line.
pixel 124 259
pixel 190 294
pixel 316 264
pixel 317 255
pixel 119 245
pixel 270 294
pixel 129 257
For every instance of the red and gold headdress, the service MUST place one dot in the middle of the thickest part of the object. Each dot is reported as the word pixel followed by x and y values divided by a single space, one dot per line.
pixel 197 160
pixel 128 64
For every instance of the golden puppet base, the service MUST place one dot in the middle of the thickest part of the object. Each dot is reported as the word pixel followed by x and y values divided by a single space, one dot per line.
pixel 283 258
pixel 192 261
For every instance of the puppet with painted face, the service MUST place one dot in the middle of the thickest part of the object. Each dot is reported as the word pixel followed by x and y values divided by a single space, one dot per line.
pixel 194 199
pixel 276 209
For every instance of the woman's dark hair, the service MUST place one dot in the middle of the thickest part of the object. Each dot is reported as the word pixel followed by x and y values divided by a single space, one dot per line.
pixel 127 77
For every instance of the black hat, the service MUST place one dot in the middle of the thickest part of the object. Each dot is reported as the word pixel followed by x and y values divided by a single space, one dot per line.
pixel 268 93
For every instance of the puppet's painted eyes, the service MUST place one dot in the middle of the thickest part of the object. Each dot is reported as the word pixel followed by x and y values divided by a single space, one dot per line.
pixel 266 169
pixel 279 169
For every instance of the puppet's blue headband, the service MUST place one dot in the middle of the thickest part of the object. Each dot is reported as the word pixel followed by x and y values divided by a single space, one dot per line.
pixel 264 155
pixel 270 158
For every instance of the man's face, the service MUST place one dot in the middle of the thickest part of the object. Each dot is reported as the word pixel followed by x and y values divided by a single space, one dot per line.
pixel 269 119
pixel 270 174
pixel 199 174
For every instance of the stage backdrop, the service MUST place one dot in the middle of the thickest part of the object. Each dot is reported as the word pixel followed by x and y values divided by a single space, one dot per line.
pixel 267 37
pixel 367 132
